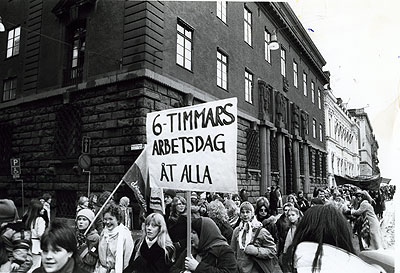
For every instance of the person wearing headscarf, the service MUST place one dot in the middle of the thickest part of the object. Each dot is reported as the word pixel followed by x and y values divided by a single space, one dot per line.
pixel 87 243
pixel 210 250
pixel 251 239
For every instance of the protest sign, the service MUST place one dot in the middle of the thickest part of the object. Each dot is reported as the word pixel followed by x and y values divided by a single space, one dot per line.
pixel 194 148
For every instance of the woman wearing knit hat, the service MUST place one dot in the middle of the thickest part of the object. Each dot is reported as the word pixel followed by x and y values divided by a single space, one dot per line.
pixel 250 241
pixel 87 244
pixel 210 250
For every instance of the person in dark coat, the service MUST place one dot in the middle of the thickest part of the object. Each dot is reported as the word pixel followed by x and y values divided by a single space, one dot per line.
pixel 302 202
pixel 177 223
pixel 282 225
pixel 209 247
pixel 87 243
pixel 59 250
pixel 154 251
pixel 218 213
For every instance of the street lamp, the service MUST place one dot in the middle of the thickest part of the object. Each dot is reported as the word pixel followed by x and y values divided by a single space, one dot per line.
pixel 274 45
pixel 2 28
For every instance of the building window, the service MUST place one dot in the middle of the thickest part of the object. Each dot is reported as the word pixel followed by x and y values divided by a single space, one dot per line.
pixel 295 74
pixel 283 62
pixel 312 92
pixel 267 40
pixel 9 89
pixel 76 58
pixel 320 132
pixel 314 128
pixel 184 46
pixel 247 26
pixel 319 98
pixel 222 70
pixel 221 10
pixel 305 84
pixel 248 87
pixel 13 42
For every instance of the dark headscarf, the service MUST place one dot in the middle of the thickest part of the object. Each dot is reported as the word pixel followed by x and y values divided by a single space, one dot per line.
pixel 209 234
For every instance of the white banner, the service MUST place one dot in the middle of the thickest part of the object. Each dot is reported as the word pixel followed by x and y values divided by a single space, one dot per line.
pixel 194 148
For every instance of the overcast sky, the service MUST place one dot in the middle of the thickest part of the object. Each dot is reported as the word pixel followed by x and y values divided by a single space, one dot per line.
pixel 360 41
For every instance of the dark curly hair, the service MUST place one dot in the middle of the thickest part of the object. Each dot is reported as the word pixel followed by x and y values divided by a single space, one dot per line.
pixel 114 210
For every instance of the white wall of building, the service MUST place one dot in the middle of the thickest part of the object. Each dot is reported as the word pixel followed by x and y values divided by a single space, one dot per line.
pixel 342 140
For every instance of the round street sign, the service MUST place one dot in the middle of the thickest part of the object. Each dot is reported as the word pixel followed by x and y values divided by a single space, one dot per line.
pixel 85 161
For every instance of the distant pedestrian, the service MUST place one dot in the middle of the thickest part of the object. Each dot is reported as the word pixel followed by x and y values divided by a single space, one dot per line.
pixel 46 200
pixel 177 223
pixel 83 203
pixel 37 225
pixel 218 213
pixel 154 251
pixel 124 203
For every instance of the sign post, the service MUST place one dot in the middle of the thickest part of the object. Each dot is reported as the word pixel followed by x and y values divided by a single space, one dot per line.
pixel 15 164
pixel 193 148
pixel 85 161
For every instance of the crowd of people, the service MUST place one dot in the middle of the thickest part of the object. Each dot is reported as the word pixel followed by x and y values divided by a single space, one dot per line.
pixel 272 233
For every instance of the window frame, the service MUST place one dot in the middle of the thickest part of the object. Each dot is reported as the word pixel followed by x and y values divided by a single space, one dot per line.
pixel 186 39
pixel 267 40
pixel 223 64
pixel 222 10
pixel 312 92
pixel 248 26
pixel 314 128
pixel 15 40
pixel 11 91
pixel 295 74
pixel 283 62
pixel 305 92
pixel 319 99
pixel 248 86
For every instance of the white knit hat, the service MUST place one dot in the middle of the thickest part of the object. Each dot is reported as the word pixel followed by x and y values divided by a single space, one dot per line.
pixel 89 214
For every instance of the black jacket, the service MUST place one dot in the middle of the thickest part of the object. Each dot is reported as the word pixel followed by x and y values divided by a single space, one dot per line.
pixel 217 260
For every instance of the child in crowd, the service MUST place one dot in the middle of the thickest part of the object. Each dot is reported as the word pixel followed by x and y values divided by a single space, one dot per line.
pixel 87 244
pixel 294 218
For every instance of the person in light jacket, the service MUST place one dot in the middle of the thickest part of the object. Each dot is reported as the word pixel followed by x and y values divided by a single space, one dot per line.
pixel 116 243
pixel 367 210
pixel 243 237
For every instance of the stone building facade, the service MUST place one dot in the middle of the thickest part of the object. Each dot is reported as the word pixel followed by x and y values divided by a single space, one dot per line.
pixel 368 144
pixel 74 69
pixel 342 139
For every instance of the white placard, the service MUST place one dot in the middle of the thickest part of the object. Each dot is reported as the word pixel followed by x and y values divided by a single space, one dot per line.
pixel 194 148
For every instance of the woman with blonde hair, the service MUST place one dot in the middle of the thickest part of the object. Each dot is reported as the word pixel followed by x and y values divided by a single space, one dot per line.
pixel 218 213
pixel 154 251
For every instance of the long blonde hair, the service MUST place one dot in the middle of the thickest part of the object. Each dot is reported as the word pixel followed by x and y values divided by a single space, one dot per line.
pixel 163 239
